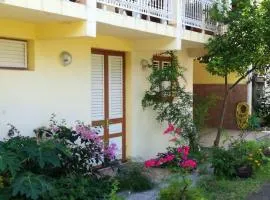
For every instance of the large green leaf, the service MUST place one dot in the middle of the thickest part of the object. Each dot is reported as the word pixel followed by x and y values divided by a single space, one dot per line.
pixel 30 185
pixel 9 162
pixel 44 153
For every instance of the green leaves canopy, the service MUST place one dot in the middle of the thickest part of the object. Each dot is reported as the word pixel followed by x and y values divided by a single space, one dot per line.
pixel 244 43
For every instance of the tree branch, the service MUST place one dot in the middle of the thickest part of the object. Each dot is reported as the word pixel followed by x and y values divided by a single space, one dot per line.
pixel 244 76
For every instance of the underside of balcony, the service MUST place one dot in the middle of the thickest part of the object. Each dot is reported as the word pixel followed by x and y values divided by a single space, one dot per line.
pixel 43 11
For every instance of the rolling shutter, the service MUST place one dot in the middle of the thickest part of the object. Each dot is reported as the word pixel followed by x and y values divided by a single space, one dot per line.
pixel 13 54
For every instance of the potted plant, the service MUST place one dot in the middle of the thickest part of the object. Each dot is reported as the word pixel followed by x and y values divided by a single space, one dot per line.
pixel 244 171
pixel 249 157
pixel 266 151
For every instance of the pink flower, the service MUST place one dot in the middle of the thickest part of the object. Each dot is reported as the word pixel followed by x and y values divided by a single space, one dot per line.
pixel 184 151
pixel 110 151
pixel 159 161
pixel 87 134
pixel 170 157
pixel 150 163
pixel 178 131
pixel 54 129
pixel 169 129
pixel 174 139
pixel 190 164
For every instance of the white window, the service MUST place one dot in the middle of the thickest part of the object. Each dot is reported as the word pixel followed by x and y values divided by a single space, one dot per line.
pixel 13 54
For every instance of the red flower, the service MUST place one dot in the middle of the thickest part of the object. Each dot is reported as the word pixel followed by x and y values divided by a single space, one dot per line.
pixel 150 163
pixel 169 129
pixel 170 157
pixel 184 151
pixel 191 164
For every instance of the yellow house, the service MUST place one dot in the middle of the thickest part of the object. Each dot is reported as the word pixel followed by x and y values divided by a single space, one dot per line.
pixel 81 60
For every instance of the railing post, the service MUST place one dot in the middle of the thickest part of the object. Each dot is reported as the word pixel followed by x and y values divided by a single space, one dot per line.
pixel 181 14
pixel 204 12
pixel 178 12
pixel 164 10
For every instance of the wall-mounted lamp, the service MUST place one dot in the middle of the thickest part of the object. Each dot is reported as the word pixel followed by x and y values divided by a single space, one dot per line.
pixel 144 63
pixel 66 58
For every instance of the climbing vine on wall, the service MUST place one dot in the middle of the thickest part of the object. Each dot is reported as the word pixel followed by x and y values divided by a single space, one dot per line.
pixel 167 96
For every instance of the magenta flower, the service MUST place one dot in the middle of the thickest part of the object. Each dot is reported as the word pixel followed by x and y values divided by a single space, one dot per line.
pixel 189 164
pixel 150 163
pixel 87 134
pixel 178 131
pixel 169 129
pixel 110 151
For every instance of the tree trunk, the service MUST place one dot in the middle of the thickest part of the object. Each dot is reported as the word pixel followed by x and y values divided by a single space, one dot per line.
pixel 225 102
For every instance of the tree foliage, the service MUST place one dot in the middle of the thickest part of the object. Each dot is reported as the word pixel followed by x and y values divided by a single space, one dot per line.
pixel 242 48
pixel 243 44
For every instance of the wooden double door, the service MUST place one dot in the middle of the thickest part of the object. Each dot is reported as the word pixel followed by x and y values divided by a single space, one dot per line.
pixel 108 97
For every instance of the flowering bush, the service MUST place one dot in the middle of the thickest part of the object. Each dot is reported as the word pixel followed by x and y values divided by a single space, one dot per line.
pixel 87 147
pixel 175 156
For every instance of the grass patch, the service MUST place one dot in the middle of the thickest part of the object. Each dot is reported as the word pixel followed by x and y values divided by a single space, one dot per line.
pixel 236 189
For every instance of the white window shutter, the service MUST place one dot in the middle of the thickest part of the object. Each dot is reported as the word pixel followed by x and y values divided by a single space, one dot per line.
pixel 115 87
pixel 97 85
pixel 13 54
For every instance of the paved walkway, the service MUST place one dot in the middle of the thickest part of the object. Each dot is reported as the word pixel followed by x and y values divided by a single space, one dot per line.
pixel 263 194
pixel 208 136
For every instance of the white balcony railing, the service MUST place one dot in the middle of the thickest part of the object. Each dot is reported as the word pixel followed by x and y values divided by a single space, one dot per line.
pixel 195 14
pixel 162 9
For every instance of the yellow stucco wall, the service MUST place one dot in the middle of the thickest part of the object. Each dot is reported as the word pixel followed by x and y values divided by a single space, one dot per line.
pixel 29 97
pixel 201 76
pixel 17 29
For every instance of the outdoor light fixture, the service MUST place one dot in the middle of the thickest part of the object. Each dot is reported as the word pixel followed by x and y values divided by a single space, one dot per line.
pixel 144 63
pixel 66 58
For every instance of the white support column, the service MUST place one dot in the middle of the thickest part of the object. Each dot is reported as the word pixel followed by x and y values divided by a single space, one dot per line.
pixel 249 91
pixel 91 18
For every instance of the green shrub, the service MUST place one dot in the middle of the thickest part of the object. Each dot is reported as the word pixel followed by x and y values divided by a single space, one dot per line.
pixel 133 176
pixel 254 122
pixel 240 153
pixel 180 190
pixel 59 164
pixel 223 162
pixel 26 166
pixel 78 187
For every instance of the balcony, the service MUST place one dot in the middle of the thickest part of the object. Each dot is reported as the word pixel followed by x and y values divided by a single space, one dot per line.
pixel 196 17
pixel 155 10
pixel 192 15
